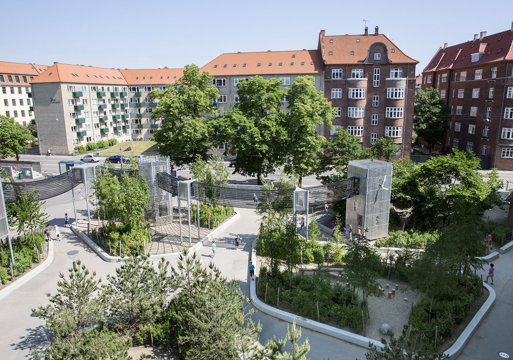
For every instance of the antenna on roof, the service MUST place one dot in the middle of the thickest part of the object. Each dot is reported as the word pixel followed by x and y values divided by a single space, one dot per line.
pixel 365 21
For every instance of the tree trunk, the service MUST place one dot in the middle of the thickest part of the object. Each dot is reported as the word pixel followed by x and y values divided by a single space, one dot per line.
pixel 151 334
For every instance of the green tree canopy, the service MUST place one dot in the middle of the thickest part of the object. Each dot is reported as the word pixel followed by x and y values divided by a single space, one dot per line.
pixel 384 147
pixel 14 138
pixel 184 108
pixel 254 128
pixel 431 117
pixel 309 109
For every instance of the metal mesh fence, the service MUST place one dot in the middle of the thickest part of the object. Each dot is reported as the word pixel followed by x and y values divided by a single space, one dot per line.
pixel 47 188
pixel 252 196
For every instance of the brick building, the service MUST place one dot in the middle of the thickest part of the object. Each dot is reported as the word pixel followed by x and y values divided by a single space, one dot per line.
pixel 475 78
pixel 371 83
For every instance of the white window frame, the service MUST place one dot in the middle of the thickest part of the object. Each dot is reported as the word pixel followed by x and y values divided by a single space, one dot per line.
pixel 375 100
pixel 494 72
pixel 377 56
pixel 334 130
pixel 373 137
pixel 463 76
pixel 395 93
pixel 478 74
pixel 507 133
pixel 374 119
pixel 508 113
pixel 484 149
pixel 336 74
pixel 459 110
pixel 376 77
pixel 444 78
pixel 457 126
pixel 394 112
pixel 357 74
pixel 393 131
pixel 485 131
pixel 338 111
pixel 473 111
pixel 475 93
pixel 461 93
pixel 355 130
pixel 443 94
pixel 471 129
pixel 396 73
pixel 507 153
pixel 455 143
pixel 285 80
pixel 509 92
pixel 219 82
pixel 356 93
pixel 355 112
pixel 336 93
pixel 491 92
pixel 470 146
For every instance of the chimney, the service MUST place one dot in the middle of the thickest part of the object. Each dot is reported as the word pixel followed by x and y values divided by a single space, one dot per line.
pixel 475 37
pixel 445 46
pixel 367 30
pixel 482 34
pixel 376 30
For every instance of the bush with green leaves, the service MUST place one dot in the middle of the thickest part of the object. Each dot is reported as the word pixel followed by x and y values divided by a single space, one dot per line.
pixel 26 253
pixel 121 239
pixel 91 146
pixel 81 149
pixel 501 233
pixel 210 215
pixel 102 144
pixel 112 142
pixel 408 239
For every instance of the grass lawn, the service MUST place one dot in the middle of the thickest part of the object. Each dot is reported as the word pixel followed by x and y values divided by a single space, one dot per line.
pixel 137 148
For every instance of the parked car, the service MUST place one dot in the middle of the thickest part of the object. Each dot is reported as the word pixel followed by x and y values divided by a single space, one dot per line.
pixel 139 157
pixel 90 158
pixel 116 159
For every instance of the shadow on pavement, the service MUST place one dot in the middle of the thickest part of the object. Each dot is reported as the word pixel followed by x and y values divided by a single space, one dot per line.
pixel 35 340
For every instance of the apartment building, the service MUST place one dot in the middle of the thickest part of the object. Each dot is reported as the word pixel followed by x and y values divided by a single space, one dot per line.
pixel 475 78
pixel 140 83
pixel 371 84
pixel 15 95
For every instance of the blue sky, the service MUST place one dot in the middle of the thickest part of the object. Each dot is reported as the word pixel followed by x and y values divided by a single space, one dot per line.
pixel 149 34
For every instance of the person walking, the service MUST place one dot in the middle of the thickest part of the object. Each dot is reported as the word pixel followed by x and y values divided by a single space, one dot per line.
pixel 255 199
pixel 303 222
pixel 236 241
pixel 57 233
pixel 66 219
pixel 326 207
pixel 251 270
pixel 213 248
pixel 491 271
pixel 489 240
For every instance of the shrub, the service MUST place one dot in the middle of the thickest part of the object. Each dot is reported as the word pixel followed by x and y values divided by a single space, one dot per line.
pixel 210 215
pixel 411 240
pixel 80 149
pixel 112 142
pixel 91 146
pixel 3 275
pixel 501 233
pixel 102 144
pixel 112 237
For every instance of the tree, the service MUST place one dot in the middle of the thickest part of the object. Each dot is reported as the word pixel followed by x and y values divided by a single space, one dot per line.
pixel 274 348
pixel 340 149
pixel 384 148
pixel 137 293
pixel 254 128
pixel 108 193
pixel 308 109
pixel 431 115
pixel 184 109
pixel 14 139
pixel 134 198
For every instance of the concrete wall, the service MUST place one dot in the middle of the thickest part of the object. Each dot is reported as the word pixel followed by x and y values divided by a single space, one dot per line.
pixel 369 210
pixel 20 93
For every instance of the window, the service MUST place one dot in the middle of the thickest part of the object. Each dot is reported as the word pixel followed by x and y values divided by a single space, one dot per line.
pixel 22 113
pixel 336 93
pixel 71 88
pixel 485 131
pixel 395 93
pixel 473 111
pixel 483 150
pixel 4 90
pixel 334 130
pixel 396 73
pixel 478 74
pixel 72 102
pixel 20 90
pixel 507 133
pixel 28 102
pixel 2 79
pixel 6 102
pixel 236 99
pixel 15 113
pixel 459 110
pixel 284 99
pixel 442 94
pixel 455 143
pixel 475 57
pixel 490 93
pixel 488 112
pixel 355 112
pixel 393 131
pixel 355 130
pixel 357 74
pixel 508 113
pixel 134 88
pixel 7 114
pixel 428 79
pixel 356 93
pixel 373 137
pixel 375 101
pixel 338 111
pixel 75 128
pixel 475 93
pixel 470 146
pixel 457 127
pixel 507 153
pixel 336 74
pixel 374 119
pixel 76 141
pixel 444 78
pixel 494 72
pixel 375 77
pixel 509 93
pixel 471 129
pixel 461 93
pixel 285 80
pixel 377 56
pixel 13 102
pixel 219 82
pixel 463 76
pixel 394 112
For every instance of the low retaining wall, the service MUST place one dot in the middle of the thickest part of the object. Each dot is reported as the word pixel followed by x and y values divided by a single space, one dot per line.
pixel 507 247
pixel 30 275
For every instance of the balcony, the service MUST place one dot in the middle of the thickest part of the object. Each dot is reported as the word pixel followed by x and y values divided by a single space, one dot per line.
pixel 79 107
pixel 154 126
pixel 102 106
pixel 100 93
pixel 123 93
pixel 116 117
pixel 123 105
pixel 104 118
pixel 153 104
pixel 126 127
pixel 80 121
pixel 29 94
pixel 104 130
pixel 81 133
pixel 140 115
pixel 115 106
pixel 138 93
pixel 117 128
pixel 77 94
pixel 114 93
pixel 139 105
pixel 31 108
pixel 140 126
pixel 125 116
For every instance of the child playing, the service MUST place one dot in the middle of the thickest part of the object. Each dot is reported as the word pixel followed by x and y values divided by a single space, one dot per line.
pixel 491 270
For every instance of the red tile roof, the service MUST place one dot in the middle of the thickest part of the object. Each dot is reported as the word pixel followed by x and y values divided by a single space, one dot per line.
pixel 7 67
pixel 151 76
pixel 495 47
pixel 66 73
pixel 353 49
pixel 265 63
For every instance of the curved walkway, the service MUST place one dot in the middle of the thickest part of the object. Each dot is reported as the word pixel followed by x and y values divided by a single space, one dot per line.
pixel 22 333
